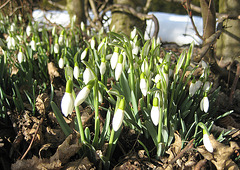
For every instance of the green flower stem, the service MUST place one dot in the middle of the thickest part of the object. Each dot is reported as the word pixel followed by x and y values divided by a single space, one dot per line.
pixel 97 122
pixel 148 95
pixel 110 144
pixel 79 120
pixel 159 138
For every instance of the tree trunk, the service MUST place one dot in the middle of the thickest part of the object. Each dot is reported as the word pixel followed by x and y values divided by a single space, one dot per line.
pixel 228 45
pixel 209 26
pixel 76 7
pixel 125 22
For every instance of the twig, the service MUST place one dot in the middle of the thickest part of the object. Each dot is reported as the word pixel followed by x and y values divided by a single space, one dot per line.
pixel 57 5
pixel 3 5
pixel 147 6
pixel 95 13
pixel 179 155
pixel 234 85
pixel 130 10
pixel 34 136
pixel 103 6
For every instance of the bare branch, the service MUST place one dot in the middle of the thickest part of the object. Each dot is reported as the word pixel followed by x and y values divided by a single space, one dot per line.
pixel 147 6
pixel 95 13
pixel 130 10
pixel 103 6
pixel 62 7
pixel 3 5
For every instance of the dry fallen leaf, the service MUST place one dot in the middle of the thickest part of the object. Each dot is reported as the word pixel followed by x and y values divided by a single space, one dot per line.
pixel 221 154
pixel 64 152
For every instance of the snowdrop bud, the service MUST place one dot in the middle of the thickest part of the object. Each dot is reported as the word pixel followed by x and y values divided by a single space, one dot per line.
pixel 12 27
pixel 84 54
pixel 56 46
pixel 206 86
pixel 76 71
pixel 157 78
pixel 53 31
pixel 114 58
pixel 87 75
pixel 61 63
pixel 108 57
pixel 103 67
pixel 100 98
pixel 143 84
pixel 155 112
pixel 204 104
pixel 144 67
pixel 83 94
pixel 118 116
pixel 83 27
pixel 61 38
pixel 67 100
pixel 11 42
pixel 194 86
pixel 29 30
pixel 33 44
pixel 119 67
pixel 92 43
pixel 206 141
pixel 135 50
pixel 21 56
pixel 133 33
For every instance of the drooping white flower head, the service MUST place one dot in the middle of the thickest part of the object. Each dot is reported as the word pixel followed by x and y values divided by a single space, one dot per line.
pixel 61 38
pixel 206 142
pixel 119 67
pixel 133 33
pixel 144 67
pixel 61 63
pixel 114 58
pixel 102 67
pixel 83 94
pixel 206 86
pixel 204 104
pixel 53 31
pixel 87 75
pixel 155 112
pixel 11 42
pixel 84 54
pixel 21 56
pixel 194 86
pixel 100 98
pixel 118 116
pixel 76 71
pixel 33 44
pixel 67 100
pixel 143 84
pixel 83 27
pixel 29 30
pixel 92 43
pixel 56 48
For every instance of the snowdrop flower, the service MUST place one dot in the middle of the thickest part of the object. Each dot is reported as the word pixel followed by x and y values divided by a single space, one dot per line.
pixel 76 71
pixel 108 57
pixel 135 50
pixel 83 27
pixel 194 86
pixel 206 141
pixel 155 111
pixel 29 30
pixel 118 116
pixel 21 56
pixel 54 31
pixel 92 43
pixel 204 104
pixel 206 86
pixel 84 54
pixel 87 75
pixel 145 68
pixel 133 33
pixel 119 67
pixel 114 58
pixel 102 44
pixel 61 63
pixel 157 78
pixel 12 27
pixel 61 38
pixel 33 44
pixel 103 67
pixel 83 94
pixel 11 42
pixel 143 84
pixel 56 46
pixel 67 100
pixel 68 72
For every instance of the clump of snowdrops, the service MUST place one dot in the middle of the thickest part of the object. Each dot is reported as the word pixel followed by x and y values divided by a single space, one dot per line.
pixel 127 78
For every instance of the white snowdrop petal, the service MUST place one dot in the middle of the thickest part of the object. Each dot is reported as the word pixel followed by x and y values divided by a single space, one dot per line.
pixel 143 86
pixel 82 95
pixel 76 72
pixel 207 143
pixel 114 60
pixel 61 63
pixel 155 115
pixel 117 119
pixel 204 104
pixel 118 71
pixel 67 104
